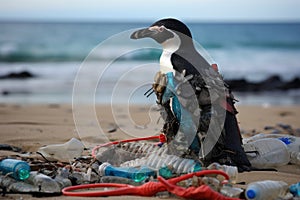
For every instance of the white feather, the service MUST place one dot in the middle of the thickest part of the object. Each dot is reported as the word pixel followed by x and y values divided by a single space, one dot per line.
pixel 169 47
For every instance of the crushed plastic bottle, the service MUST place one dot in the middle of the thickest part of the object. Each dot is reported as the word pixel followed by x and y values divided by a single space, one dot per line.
pixel 266 190
pixel 63 152
pixel 295 189
pixel 295 158
pixel 267 153
pixel 135 174
pixel 45 183
pixel 232 171
pixel 17 169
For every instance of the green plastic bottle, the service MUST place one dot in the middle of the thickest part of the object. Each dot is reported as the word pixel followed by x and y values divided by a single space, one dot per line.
pixel 17 169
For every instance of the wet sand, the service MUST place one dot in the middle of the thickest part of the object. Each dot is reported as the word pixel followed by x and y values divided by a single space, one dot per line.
pixel 32 126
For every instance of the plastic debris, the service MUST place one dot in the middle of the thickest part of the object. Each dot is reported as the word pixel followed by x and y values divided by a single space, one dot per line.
pixel 63 152
pixel 138 164
pixel 16 168
pixel 266 190
pixel 267 153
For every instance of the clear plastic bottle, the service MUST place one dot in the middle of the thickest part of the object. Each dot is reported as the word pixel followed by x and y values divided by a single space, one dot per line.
pixel 266 190
pixel 295 158
pixel 267 153
pixel 160 161
pixel 18 169
pixel 135 174
pixel 232 171
pixel 178 165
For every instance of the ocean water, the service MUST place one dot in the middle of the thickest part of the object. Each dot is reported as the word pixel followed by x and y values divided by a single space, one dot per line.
pixel 98 62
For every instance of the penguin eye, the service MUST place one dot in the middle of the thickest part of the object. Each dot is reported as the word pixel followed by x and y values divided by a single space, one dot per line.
pixel 161 28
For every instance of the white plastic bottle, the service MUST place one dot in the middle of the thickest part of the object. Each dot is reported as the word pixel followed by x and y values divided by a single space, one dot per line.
pixel 292 142
pixel 267 153
pixel 266 190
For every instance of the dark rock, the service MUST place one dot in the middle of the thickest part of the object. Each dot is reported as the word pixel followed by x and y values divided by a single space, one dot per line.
pixel 270 84
pixel 8 147
pixel 293 84
pixel 241 85
pixel 268 127
pixel 18 75
pixel 276 131
pixel 284 126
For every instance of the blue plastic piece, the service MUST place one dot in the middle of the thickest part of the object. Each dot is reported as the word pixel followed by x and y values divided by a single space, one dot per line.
pixel 286 140
pixel 170 93
pixel 183 116
pixel 295 189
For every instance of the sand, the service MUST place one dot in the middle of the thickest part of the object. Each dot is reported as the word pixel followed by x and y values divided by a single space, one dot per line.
pixel 33 126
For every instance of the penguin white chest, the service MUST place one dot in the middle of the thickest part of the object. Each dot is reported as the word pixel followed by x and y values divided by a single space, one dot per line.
pixel 169 47
pixel 165 62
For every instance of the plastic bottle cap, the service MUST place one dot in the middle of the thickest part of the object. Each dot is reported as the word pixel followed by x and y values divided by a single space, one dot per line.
pixel 197 167
pixel 251 194
pixel 165 172
pixel 23 174
pixel 138 177
pixel 286 140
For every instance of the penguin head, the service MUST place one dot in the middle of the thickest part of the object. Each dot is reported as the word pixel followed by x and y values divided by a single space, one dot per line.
pixel 163 30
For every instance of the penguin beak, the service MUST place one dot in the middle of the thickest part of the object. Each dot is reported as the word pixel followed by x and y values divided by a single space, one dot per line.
pixel 143 33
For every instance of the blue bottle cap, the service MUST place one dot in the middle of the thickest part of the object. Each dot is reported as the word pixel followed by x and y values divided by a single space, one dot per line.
pixel 286 140
pixel 251 194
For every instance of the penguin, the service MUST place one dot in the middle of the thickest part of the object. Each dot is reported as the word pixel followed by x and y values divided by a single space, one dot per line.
pixel 179 51
pixel 179 56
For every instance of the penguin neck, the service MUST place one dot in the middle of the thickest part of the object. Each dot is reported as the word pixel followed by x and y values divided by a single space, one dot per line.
pixel 169 47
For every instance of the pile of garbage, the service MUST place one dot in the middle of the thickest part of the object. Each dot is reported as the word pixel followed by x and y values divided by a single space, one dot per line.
pixel 146 169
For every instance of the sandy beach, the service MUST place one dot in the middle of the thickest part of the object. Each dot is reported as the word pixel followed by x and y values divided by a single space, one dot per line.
pixel 33 126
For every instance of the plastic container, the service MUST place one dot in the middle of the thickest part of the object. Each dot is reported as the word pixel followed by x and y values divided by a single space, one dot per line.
pixel 295 158
pixel 267 153
pixel 292 142
pixel 163 162
pixel 266 190
pixel 17 169
pixel 135 174
pixel 295 189
pixel 232 171
pixel 63 152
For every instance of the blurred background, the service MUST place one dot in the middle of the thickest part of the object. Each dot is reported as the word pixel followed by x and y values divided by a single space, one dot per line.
pixel 256 45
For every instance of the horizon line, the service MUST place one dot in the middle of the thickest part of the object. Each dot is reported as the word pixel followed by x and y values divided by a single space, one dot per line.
pixel 116 21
